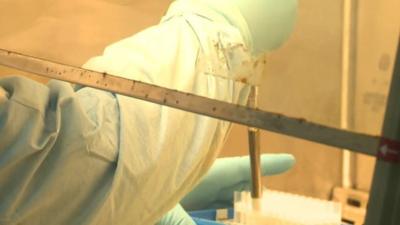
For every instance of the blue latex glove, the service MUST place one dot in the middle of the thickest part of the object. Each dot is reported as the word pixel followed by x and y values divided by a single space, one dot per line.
pixel 226 176
pixel 176 216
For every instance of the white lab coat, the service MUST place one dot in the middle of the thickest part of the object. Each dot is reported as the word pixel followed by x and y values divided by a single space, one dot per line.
pixel 86 156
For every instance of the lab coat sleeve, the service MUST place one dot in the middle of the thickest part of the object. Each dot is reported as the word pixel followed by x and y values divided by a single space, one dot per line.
pixel 93 157
pixel 164 151
pixel 57 152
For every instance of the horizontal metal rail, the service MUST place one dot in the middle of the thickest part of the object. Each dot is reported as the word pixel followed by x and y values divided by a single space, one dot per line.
pixel 269 121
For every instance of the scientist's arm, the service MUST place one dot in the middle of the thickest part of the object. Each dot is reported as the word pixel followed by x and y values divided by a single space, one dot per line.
pixel 91 157
pixel 164 152
pixel 58 152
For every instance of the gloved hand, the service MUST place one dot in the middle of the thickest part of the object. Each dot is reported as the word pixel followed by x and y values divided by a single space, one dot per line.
pixel 226 176
pixel 176 216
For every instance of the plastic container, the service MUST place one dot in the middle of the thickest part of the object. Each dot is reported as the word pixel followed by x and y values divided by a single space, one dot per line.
pixel 279 208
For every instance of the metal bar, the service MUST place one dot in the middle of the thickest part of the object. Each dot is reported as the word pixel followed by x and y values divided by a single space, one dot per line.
pixel 384 202
pixel 254 151
pixel 273 122
pixel 347 84
pixel 255 162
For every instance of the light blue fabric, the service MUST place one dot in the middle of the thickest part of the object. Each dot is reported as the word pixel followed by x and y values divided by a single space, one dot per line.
pixel 58 153
pixel 163 151
pixel 90 157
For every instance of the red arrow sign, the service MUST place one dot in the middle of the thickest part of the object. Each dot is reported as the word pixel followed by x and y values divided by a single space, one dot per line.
pixel 389 150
